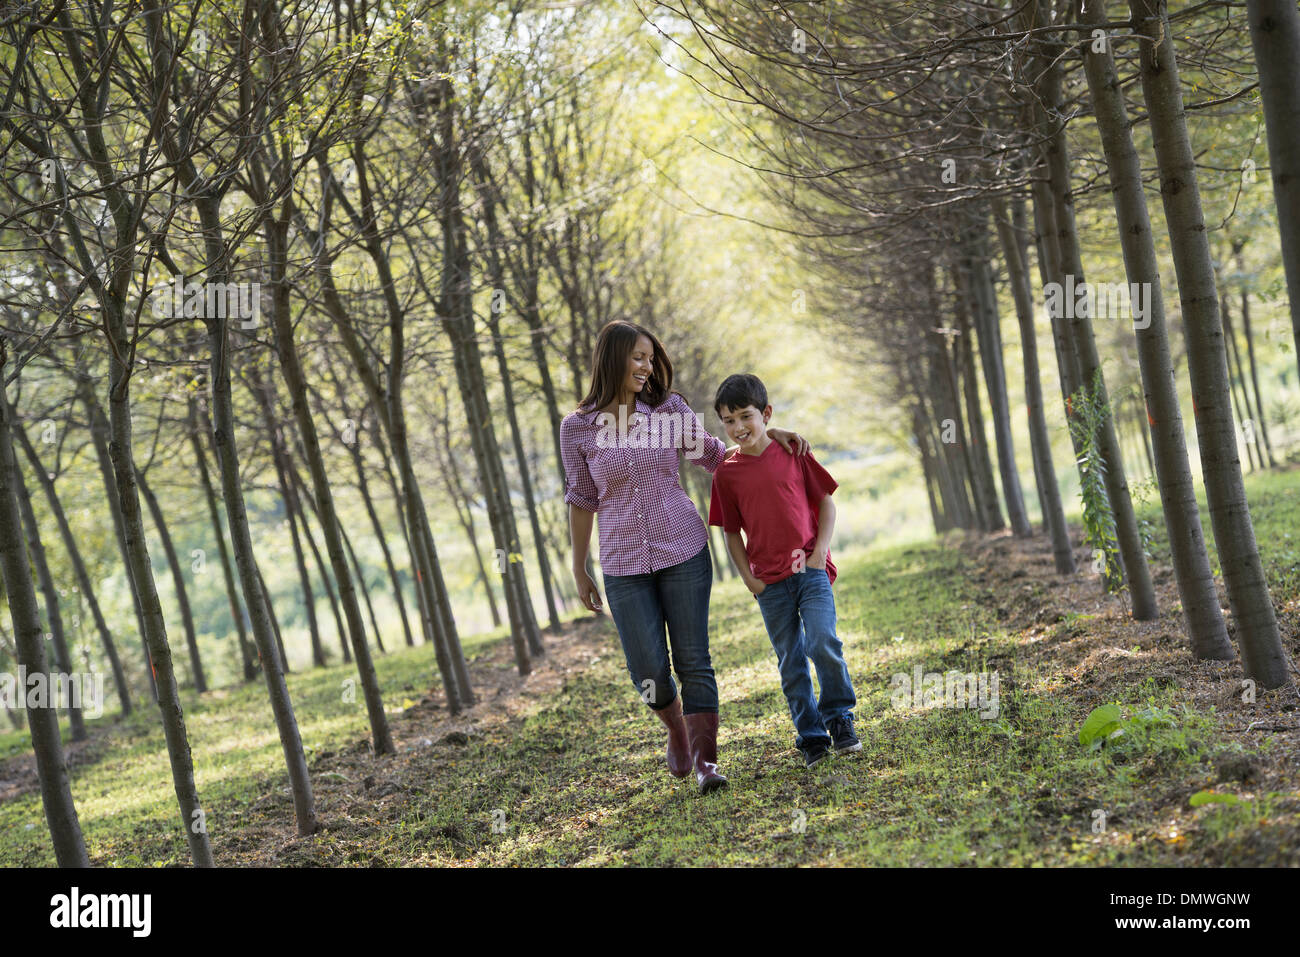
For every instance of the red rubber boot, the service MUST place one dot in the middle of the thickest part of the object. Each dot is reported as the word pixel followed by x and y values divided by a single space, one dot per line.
pixel 679 749
pixel 703 729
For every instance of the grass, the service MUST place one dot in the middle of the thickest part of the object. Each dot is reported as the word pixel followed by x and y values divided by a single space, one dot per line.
pixel 124 798
pixel 576 778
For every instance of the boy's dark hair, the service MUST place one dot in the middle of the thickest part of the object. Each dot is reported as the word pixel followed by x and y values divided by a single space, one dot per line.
pixel 740 390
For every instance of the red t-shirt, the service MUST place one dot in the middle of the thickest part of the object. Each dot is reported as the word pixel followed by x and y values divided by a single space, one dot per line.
pixel 774 497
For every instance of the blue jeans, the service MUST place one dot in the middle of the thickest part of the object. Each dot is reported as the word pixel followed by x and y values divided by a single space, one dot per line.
pixel 678 597
pixel 799 613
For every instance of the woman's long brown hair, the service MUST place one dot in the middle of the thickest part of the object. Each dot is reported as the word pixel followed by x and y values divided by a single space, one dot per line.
pixel 614 344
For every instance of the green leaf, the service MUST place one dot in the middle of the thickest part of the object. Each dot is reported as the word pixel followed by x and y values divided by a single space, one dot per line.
pixel 1100 723
pixel 1212 797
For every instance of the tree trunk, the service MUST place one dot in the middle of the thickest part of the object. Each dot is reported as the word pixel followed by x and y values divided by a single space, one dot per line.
pixel 455 309
pixel 1040 442
pixel 990 349
pixel 1196 590
pixel 1261 423
pixel 223 437
pixel 197 429
pixel 264 395
pixel 526 482
pixel 957 503
pixel 382 536
pixel 1234 534
pixel 427 620
pixel 986 490
pixel 300 559
pixel 155 634
pixel 111 288
pixel 1049 270
pixel 975 468
pixel 457 494
pixel 1051 260
pixel 532 311
pixel 1275 36
pixel 1237 384
pixel 1146 444
pixel 365 590
pixel 36 549
pixel 277 232
pixel 932 410
pixel 178 580
pixel 305 495
pixel 99 431
pixel 351 442
pixel 340 629
pixel 439 625
pixel 56 792
pixel 971 464
pixel 457 688
pixel 495 241
pixel 1128 537
pixel 78 565
pixel 927 469
pixel 275 622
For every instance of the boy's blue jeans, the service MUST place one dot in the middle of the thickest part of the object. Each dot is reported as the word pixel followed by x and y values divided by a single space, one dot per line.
pixel 799 613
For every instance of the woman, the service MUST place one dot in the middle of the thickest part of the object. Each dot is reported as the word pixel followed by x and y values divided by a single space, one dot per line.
pixel 620 460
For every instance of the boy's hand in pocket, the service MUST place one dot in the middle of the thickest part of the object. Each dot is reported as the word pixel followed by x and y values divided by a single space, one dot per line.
pixel 756 587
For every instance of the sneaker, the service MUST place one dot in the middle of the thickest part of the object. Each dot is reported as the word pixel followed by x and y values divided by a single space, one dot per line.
pixel 841 730
pixel 815 753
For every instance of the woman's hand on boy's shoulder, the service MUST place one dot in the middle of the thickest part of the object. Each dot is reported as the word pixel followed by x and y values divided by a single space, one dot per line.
pixel 792 442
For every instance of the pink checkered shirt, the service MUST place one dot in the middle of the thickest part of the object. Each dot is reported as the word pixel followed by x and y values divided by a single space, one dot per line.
pixel 647 521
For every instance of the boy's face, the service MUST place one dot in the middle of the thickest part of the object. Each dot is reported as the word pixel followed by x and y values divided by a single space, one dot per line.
pixel 747 426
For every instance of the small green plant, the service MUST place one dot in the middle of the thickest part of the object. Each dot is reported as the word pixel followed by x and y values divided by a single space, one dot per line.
pixel 1142 493
pixel 1150 728
pixel 1102 723
pixel 1087 416
pixel 1144 724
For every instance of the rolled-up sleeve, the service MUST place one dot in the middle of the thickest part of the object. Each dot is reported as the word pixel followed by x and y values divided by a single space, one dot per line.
pixel 579 487
pixel 696 436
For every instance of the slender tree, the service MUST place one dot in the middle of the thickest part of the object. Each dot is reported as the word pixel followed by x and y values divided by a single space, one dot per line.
pixel 178 580
pixel 53 614
pixel 1234 533
pixel 46 480
pixel 1275 36
pixel 56 792
pixel 1040 440
pixel 1200 600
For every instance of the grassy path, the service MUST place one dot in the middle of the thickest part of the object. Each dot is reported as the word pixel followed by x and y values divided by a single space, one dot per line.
pixel 565 768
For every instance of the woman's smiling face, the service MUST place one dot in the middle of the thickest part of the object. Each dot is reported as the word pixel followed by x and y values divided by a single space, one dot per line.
pixel 640 363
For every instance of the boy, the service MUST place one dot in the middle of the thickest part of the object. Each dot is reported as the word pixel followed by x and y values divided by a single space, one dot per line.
pixel 783 504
